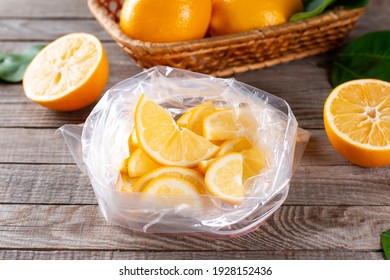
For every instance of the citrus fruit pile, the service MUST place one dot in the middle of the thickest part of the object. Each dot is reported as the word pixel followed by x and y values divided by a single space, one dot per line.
pixel 68 74
pixel 203 152
pixel 357 121
pixel 183 20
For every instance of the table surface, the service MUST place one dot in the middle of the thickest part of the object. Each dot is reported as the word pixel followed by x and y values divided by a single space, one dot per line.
pixel 48 210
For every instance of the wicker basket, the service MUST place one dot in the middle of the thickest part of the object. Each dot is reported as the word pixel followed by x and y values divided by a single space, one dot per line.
pixel 236 53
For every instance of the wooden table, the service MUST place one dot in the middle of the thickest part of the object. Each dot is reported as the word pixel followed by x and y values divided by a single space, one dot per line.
pixel 334 210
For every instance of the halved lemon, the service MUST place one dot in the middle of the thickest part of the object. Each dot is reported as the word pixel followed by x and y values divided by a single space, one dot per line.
pixel 220 125
pixel 68 74
pixel 223 178
pixel 190 175
pixel 164 142
pixel 357 121
pixel 139 164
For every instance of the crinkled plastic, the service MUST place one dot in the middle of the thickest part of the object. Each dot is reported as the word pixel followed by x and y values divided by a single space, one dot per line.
pixel 101 144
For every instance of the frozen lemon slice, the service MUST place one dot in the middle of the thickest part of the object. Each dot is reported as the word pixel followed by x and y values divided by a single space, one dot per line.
pixel 234 145
pixel 223 178
pixel 173 191
pixel 195 121
pixel 253 162
pixel 164 142
pixel 220 125
pixel 190 175
pixel 139 164
pixel 183 120
pixel 165 185
pixel 134 138
pixel 204 164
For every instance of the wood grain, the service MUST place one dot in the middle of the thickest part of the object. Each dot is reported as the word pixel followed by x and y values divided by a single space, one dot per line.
pixel 65 184
pixel 194 255
pixel 37 30
pixel 289 228
pixel 44 9
pixel 30 145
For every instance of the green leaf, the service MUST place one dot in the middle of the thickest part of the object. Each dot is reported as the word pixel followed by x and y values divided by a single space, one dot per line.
pixel 385 239
pixel 366 57
pixel 352 4
pixel 316 7
pixel 13 66
pixel 312 8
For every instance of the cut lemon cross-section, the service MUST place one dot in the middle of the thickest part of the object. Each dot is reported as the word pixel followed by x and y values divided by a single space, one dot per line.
pixel 169 185
pixel 220 125
pixel 223 178
pixel 192 176
pixel 139 164
pixel 184 118
pixel 254 161
pixel 174 191
pixel 195 121
pixel 68 74
pixel 234 145
pixel 357 121
pixel 164 142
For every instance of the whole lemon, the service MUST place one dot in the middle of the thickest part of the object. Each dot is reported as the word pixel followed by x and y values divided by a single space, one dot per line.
pixel 165 21
pixel 231 16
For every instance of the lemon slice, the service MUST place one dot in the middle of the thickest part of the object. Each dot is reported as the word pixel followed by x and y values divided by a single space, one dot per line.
pixel 134 138
pixel 190 175
pixel 166 185
pixel 357 121
pixel 195 121
pixel 183 120
pixel 172 191
pixel 223 178
pixel 139 164
pixel 204 164
pixel 220 125
pixel 234 145
pixel 164 142
pixel 123 168
pixel 254 161
pixel 125 183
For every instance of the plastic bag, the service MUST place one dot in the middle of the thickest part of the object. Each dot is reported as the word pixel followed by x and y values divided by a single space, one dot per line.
pixel 101 144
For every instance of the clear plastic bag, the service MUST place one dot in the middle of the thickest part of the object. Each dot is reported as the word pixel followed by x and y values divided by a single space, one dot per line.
pixel 101 144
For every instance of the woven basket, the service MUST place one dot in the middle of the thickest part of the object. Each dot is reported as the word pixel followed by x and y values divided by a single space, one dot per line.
pixel 225 55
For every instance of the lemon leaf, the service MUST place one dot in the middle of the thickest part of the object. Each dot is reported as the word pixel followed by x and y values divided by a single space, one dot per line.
pixel 314 8
pixel 366 57
pixel 13 66
pixel 385 239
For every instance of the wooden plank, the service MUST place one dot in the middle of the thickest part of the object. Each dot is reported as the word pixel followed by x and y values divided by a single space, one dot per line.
pixel 33 146
pixel 195 255
pixel 44 9
pixel 290 228
pixel 37 30
pixel 29 145
pixel 65 184
pixel 54 184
